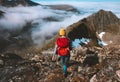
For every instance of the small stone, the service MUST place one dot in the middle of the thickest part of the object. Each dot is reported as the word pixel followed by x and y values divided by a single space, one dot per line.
pixel 93 79
pixel 1 62
pixel 118 73
pixel 36 58
pixel 78 79
pixel 79 68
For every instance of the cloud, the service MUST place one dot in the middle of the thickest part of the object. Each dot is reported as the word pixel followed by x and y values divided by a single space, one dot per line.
pixel 17 17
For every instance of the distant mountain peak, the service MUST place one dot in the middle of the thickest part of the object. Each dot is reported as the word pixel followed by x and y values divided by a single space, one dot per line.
pixel 107 13
pixel 102 19
pixel 101 11
pixel 12 3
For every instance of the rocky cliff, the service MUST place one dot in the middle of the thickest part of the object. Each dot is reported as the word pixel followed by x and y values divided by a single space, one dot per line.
pixel 11 3
pixel 102 21
pixel 64 7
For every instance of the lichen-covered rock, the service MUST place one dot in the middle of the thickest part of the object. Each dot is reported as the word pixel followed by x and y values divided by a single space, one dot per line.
pixel 40 67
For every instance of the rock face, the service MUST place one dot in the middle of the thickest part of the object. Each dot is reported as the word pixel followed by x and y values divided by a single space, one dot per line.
pixel 12 3
pixel 102 21
pixel 18 39
pixel 13 68
pixel 63 7
pixel 81 29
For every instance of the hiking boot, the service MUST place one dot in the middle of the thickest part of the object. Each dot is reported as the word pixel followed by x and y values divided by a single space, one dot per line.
pixel 59 58
pixel 65 75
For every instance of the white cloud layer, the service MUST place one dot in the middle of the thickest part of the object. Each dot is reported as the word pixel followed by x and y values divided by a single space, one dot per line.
pixel 17 17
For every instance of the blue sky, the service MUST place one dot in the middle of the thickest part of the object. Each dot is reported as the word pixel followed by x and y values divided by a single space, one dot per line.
pixel 80 0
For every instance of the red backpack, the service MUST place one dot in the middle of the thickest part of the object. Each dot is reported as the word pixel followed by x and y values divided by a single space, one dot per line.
pixel 63 46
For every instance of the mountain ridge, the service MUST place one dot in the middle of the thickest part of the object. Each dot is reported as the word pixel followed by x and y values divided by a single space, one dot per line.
pixel 102 19
pixel 87 27
pixel 12 3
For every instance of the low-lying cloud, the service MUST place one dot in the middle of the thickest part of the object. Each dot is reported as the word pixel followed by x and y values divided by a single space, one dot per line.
pixel 18 17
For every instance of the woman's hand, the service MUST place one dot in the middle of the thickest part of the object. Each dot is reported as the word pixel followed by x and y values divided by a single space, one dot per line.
pixel 53 58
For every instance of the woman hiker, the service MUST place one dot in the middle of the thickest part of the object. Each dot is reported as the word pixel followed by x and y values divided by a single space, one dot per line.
pixel 62 48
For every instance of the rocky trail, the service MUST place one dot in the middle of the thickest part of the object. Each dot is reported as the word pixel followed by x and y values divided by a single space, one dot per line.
pixel 40 67
pixel 18 64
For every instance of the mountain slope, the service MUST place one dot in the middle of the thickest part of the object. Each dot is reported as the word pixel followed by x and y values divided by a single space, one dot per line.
pixel 98 22
pixel 103 20
pixel 63 7
pixel 87 27
pixel 11 3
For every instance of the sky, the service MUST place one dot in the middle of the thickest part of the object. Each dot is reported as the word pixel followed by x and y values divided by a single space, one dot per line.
pixel 80 0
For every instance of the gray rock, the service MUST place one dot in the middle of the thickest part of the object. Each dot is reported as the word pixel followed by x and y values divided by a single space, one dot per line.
pixel 1 62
